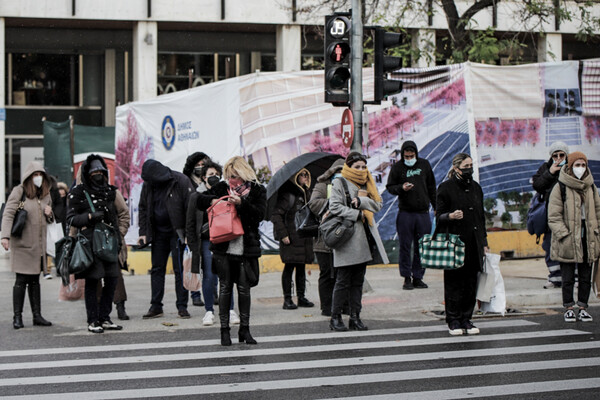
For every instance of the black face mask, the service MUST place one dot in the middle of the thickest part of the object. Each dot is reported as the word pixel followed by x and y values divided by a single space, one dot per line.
pixel 98 179
pixel 213 180
pixel 466 173
pixel 198 171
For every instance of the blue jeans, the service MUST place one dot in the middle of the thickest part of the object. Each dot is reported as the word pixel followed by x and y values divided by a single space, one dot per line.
pixel 163 245
pixel 209 280
pixel 411 227
pixel 554 274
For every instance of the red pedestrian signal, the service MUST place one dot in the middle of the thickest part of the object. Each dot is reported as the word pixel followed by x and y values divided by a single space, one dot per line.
pixel 337 59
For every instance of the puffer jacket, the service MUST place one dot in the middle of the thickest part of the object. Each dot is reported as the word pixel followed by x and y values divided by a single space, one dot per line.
pixel 565 219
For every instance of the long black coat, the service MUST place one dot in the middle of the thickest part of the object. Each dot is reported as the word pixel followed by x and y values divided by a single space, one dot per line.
pixel 251 212
pixel 300 250
pixel 544 180
pixel 455 194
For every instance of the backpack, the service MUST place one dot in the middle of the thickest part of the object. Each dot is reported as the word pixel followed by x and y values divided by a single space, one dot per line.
pixel 537 218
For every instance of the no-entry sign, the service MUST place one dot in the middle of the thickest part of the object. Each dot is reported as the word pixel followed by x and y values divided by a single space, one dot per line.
pixel 347 128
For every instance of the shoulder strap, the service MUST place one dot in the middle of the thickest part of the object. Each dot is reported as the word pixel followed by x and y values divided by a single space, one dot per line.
pixel 87 196
pixel 563 191
pixel 345 184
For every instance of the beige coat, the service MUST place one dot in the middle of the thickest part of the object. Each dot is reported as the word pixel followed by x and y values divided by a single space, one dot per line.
pixel 564 219
pixel 28 252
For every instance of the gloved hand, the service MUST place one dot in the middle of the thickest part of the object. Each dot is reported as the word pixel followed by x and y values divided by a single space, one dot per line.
pixel 97 216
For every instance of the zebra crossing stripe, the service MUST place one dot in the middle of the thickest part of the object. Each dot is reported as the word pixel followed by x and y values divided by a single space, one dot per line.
pixel 293 365
pixel 268 339
pixel 287 350
pixel 339 380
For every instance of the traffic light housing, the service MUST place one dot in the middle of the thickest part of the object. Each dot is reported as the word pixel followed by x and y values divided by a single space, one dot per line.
pixel 337 59
pixel 384 63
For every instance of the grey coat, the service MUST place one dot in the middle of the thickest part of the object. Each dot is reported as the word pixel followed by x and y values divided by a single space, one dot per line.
pixel 356 250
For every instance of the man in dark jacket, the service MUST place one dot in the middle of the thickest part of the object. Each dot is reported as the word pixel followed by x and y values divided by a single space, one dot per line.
pixel 162 211
pixel 412 180
pixel 543 183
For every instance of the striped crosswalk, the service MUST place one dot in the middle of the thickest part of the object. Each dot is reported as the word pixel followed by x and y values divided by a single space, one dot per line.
pixel 420 362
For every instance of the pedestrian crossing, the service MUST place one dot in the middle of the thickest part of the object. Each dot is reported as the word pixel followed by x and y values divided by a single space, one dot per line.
pixel 420 362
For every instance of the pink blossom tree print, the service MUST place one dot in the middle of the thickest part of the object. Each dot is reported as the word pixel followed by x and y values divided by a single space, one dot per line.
pixel 504 135
pixel 130 153
pixel 489 135
pixel 479 128
pixel 519 132
pixel 533 129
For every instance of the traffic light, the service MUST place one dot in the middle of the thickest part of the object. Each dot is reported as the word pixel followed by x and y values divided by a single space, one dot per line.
pixel 337 59
pixel 384 63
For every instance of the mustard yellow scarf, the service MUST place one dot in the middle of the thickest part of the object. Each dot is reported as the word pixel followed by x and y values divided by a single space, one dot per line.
pixel 363 178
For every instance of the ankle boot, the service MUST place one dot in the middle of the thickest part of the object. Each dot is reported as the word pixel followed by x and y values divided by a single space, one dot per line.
pixel 356 324
pixel 121 314
pixel 304 302
pixel 225 337
pixel 337 324
pixel 288 304
pixel 18 300
pixel 36 305
pixel 245 336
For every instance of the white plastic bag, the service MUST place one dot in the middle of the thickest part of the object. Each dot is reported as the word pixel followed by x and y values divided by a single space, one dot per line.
pixel 486 279
pixel 497 302
pixel 191 281
pixel 54 232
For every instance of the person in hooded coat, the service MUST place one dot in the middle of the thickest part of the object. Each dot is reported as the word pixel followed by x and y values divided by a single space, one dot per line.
pixel 574 218
pixel 95 190
pixel 162 211
pixel 28 252
pixel 412 180
pixel 295 251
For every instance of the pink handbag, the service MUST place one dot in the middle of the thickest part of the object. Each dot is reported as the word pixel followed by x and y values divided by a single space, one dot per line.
pixel 224 224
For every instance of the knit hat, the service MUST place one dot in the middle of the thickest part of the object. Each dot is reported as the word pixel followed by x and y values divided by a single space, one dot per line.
pixel 574 156
pixel 556 146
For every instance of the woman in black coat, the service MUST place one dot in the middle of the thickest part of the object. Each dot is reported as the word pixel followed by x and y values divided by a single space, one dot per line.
pixel 94 182
pixel 295 251
pixel 234 259
pixel 460 211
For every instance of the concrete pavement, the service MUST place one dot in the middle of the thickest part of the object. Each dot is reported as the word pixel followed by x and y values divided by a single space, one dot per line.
pixel 385 300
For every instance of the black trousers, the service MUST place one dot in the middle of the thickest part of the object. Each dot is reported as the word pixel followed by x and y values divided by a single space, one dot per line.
pixel 584 271
pixel 460 287
pixel 286 279
pixel 326 279
pixel 99 310
pixel 230 270
pixel 348 285
pixel 163 245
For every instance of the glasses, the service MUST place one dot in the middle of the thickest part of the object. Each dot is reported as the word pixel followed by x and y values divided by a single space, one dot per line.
pixel 303 175
pixel 558 155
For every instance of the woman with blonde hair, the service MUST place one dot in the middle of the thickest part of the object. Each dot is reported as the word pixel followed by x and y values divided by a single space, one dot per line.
pixel 28 250
pixel 234 259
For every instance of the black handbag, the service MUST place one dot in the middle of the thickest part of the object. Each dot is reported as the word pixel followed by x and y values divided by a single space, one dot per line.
pixel 105 243
pixel 64 250
pixel 252 270
pixel 19 219
pixel 336 230
pixel 307 223
pixel 81 257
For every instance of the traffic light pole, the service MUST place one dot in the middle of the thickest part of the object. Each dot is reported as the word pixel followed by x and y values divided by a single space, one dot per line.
pixel 356 70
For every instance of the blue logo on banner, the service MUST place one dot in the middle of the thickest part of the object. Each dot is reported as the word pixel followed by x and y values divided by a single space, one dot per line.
pixel 168 132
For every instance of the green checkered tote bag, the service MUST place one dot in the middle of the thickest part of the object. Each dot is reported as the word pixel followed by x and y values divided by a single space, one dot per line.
pixel 441 251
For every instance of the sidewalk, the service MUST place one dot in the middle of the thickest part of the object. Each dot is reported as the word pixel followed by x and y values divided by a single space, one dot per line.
pixel 384 300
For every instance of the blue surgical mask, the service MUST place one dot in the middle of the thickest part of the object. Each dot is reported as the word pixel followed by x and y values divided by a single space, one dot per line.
pixel 410 163
pixel 563 162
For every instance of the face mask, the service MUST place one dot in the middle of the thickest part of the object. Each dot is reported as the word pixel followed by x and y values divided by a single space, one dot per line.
pixel 563 162
pixel 466 173
pixel 235 182
pixel 98 179
pixel 37 180
pixel 410 163
pixel 197 171
pixel 579 171
pixel 213 180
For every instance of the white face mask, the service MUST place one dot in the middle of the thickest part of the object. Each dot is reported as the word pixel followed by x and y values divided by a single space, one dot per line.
pixel 579 171
pixel 37 180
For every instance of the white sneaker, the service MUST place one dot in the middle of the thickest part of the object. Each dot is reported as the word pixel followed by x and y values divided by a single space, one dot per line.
pixel 233 318
pixel 47 276
pixel 583 316
pixel 209 318
pixel 570 315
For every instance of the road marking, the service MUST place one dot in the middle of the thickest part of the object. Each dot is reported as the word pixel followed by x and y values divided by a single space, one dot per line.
pixel 268 339
pixel 434 373
pixel 293 365
pixel 288 350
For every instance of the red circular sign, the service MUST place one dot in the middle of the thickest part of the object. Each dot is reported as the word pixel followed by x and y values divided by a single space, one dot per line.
pixel 347 128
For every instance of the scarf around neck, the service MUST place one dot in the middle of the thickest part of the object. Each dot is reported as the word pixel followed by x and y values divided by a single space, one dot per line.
pixel 363 178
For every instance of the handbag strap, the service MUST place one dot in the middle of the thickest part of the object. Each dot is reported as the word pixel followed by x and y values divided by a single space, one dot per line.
pixel 218 201
pixel 345 184
pixel 87 196
pixel 22 202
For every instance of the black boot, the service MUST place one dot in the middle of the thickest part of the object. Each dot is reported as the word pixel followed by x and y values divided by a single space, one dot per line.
pixel 337 324
pixel 225 337
pixel 36 305
pixel 286 284
pixel 121 314
pixel 304 302
pixel 18 300
pixel 288 304
pixel 356 324
pixel 245 336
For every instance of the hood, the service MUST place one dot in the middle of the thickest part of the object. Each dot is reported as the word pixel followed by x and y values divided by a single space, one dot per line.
pixel 335 167
pixel 84 170
pixel 155 173
pixel 191 162
pixel 294 179
pixel 409 143
pixel 574 183
pixel 32 167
